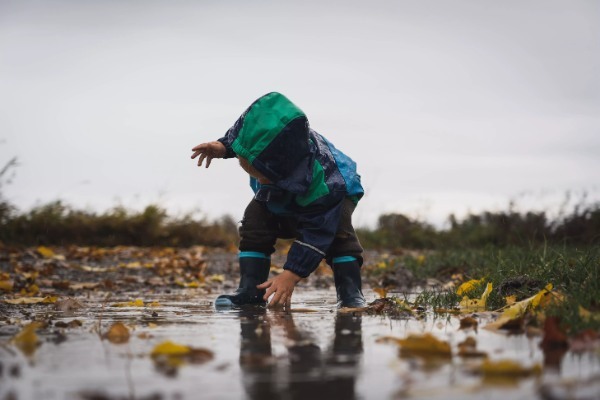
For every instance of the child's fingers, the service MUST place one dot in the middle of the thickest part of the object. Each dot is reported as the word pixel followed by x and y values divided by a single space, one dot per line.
pixel 208 160
pixel 199 147
pixel 276 300
pixel 201 159
pixel 264 285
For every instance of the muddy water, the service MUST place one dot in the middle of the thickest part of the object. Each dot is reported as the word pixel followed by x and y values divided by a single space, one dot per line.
pixel 312 353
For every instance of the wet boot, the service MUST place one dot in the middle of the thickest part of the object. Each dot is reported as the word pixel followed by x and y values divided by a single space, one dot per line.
pixel 254 270
pixel 346 274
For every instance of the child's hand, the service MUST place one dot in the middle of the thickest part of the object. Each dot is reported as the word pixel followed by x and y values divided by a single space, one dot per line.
pixel 209 151
pixel 283 287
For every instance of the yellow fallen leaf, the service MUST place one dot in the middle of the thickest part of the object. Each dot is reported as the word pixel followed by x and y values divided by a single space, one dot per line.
pixel 6 285
pixel 45 252
pixel 217 278
pixel 469 286
pixel 27 340
pixel 518 309
pixel 425 345
pixel 95 269
pixel 535 301
pixel 510 300
pixel 131 265
pixel 381 292
pixel 154 304
pixel 169 348
pixel 508 368
pixel 31 290
pixel 420 259
pixel 587 315
pixel 117 333
pixel 472 305
pixel 133 303
pixel 32 300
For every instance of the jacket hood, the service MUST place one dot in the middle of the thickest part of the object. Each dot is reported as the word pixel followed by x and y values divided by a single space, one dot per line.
pixel 274 138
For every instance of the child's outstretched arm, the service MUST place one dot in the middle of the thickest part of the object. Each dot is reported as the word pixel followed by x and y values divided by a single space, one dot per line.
pixel 209 151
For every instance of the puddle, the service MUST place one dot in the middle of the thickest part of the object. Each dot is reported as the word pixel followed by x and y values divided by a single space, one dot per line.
pixel 314 352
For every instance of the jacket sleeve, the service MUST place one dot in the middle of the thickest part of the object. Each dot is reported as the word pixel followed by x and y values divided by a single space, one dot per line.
pixel 316 231
pixel 231 135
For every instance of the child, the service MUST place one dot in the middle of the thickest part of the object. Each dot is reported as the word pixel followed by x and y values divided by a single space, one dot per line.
pixel 304 189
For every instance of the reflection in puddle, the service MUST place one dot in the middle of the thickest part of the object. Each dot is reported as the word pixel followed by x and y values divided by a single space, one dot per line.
pixel 312 353
pixel 308 371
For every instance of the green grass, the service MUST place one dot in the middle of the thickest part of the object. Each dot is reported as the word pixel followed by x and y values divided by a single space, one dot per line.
pixel 520 271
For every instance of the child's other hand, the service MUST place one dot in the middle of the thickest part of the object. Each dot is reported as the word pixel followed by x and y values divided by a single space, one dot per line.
pixel 209 151
pixel 283 287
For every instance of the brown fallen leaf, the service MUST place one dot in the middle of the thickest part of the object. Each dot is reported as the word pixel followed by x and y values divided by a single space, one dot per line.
pixel 61 285
pixel 468 322
pixel 468 349
pixel 168 356
pixel 554 337
pixel 84 285
pixel 68 305
pixel 117 333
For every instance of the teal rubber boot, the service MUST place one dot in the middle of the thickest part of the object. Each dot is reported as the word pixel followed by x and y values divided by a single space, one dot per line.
pixel 348 285
pixel 254 270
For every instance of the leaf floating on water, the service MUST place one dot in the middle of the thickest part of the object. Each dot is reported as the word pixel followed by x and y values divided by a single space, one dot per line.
pixel 508 368
pixel 27 340
pixel 468 349
pixel 68 305
pixel 425 345
pixel 169 348
pixel 468 322
pixel 303 310
pixel 117 333
pixel 133 303
pixel 175 354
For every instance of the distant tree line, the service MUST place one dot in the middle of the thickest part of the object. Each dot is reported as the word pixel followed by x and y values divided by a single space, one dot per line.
pixel 58 224
pixel 395 231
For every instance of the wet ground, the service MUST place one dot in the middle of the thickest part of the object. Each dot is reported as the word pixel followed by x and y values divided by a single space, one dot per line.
pixel 313 352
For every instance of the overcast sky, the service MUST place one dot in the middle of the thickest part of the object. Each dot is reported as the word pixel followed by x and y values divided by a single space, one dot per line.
pixel 447 106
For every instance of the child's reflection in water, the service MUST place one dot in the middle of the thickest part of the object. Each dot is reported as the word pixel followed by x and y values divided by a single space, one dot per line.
pixel 308 372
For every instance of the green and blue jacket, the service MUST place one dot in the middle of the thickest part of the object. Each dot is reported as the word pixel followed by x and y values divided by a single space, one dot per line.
pixel 310 176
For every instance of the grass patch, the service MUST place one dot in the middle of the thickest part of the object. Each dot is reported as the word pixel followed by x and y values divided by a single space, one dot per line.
pixel 513 271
